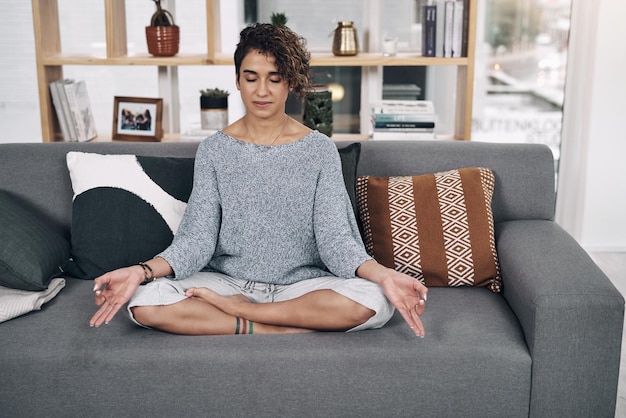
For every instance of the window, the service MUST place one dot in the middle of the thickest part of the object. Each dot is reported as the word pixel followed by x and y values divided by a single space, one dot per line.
pixel 521 57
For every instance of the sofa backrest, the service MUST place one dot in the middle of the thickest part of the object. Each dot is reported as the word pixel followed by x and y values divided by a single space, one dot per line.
pixel 524 173
pixel 37 173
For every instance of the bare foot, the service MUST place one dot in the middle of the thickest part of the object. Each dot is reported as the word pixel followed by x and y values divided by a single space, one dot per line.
pixel 236 305
pixel 227 304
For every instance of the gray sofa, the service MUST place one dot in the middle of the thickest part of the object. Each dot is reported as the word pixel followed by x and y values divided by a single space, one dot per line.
pixel 548 346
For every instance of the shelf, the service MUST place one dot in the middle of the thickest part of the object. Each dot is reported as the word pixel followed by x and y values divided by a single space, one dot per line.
pixel 365 59
pixel 169 137
pixel 326 59
pixel 51 59
pixel 139 59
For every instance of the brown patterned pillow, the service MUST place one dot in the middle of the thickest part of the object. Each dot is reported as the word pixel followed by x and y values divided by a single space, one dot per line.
pixel 435 227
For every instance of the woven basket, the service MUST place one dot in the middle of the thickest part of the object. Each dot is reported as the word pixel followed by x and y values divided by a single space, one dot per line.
pixel 163 40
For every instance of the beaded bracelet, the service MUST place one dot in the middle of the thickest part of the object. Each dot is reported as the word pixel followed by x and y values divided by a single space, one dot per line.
pixel 148 273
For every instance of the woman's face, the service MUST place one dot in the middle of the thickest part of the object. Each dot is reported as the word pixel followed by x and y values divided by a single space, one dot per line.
pixel 263 90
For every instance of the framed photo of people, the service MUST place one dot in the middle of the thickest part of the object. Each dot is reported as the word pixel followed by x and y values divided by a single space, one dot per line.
pixel 137 119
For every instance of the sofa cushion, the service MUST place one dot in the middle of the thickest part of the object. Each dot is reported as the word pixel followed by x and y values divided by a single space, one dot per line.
pixel 435 227
pixel 473 362
pixel 31 252
pixel 126 208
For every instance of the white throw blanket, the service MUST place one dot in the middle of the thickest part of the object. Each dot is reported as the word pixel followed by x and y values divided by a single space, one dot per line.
pixel 14 302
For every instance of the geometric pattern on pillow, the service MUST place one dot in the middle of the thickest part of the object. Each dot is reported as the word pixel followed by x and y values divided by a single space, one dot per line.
pixel 435 227
pixel 125 210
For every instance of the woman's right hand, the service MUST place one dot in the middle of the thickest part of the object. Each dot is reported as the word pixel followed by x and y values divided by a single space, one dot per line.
pixel 114 289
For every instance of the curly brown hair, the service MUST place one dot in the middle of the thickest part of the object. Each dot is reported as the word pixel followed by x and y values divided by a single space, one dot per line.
pixel 286 46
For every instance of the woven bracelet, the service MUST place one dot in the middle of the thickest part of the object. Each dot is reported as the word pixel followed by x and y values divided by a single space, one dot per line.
pixel 148 273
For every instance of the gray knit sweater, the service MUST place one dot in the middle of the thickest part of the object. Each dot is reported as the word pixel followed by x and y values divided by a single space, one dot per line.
pixel 276 214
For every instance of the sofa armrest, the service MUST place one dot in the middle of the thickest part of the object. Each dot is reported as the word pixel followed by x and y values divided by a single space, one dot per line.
pixel 571 315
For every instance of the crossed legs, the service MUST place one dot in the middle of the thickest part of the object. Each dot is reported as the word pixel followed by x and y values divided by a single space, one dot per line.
pixel 205 312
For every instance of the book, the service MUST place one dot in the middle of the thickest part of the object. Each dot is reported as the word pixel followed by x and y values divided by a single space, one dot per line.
pixel 60 85
pixel 440 28
pixel 448 32
pixel 457 29
pixel 402 118
pixel 429 30
pixel 399 133
pixel 398 117
pixel 402 136
pixel 80 110
pixel 55 93
pixel 404 125
pixel 72 106
pixel 196 133
pixel 417 107
pixel 408 91
pixel 465 28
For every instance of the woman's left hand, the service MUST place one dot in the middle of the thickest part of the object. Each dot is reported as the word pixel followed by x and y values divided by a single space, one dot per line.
pixel 409 296
pixel 406 293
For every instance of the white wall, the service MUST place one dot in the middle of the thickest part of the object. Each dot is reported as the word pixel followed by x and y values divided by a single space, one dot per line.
pixel 592 192
pixel 605 198
pixel 18 75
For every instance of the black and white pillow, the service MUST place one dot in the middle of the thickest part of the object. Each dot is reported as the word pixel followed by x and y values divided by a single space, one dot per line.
pixel 126 208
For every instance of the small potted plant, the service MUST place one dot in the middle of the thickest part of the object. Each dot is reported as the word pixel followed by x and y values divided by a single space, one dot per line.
pixel 214 108
pixel 278 19
pixel 163 36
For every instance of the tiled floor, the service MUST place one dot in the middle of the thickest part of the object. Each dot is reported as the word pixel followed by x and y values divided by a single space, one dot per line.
pixel 614 266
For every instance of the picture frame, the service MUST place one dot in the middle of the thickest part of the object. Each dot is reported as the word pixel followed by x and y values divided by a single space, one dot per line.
pixel 137 119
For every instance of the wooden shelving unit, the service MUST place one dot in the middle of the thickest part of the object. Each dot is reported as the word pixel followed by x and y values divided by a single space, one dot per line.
pixel 50 58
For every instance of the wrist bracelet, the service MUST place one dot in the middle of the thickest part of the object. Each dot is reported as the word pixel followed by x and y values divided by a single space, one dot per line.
pixel 148 273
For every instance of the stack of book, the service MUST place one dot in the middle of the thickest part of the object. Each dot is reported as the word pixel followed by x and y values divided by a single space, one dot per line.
pixel 444 25
pixel 403 119
pixel 73 110
pixel 195 133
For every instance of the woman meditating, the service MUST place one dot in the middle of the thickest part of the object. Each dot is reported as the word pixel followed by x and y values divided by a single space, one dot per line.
pixel 268 242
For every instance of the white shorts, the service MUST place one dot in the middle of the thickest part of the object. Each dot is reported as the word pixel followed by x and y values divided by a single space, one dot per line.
pixel 166 292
